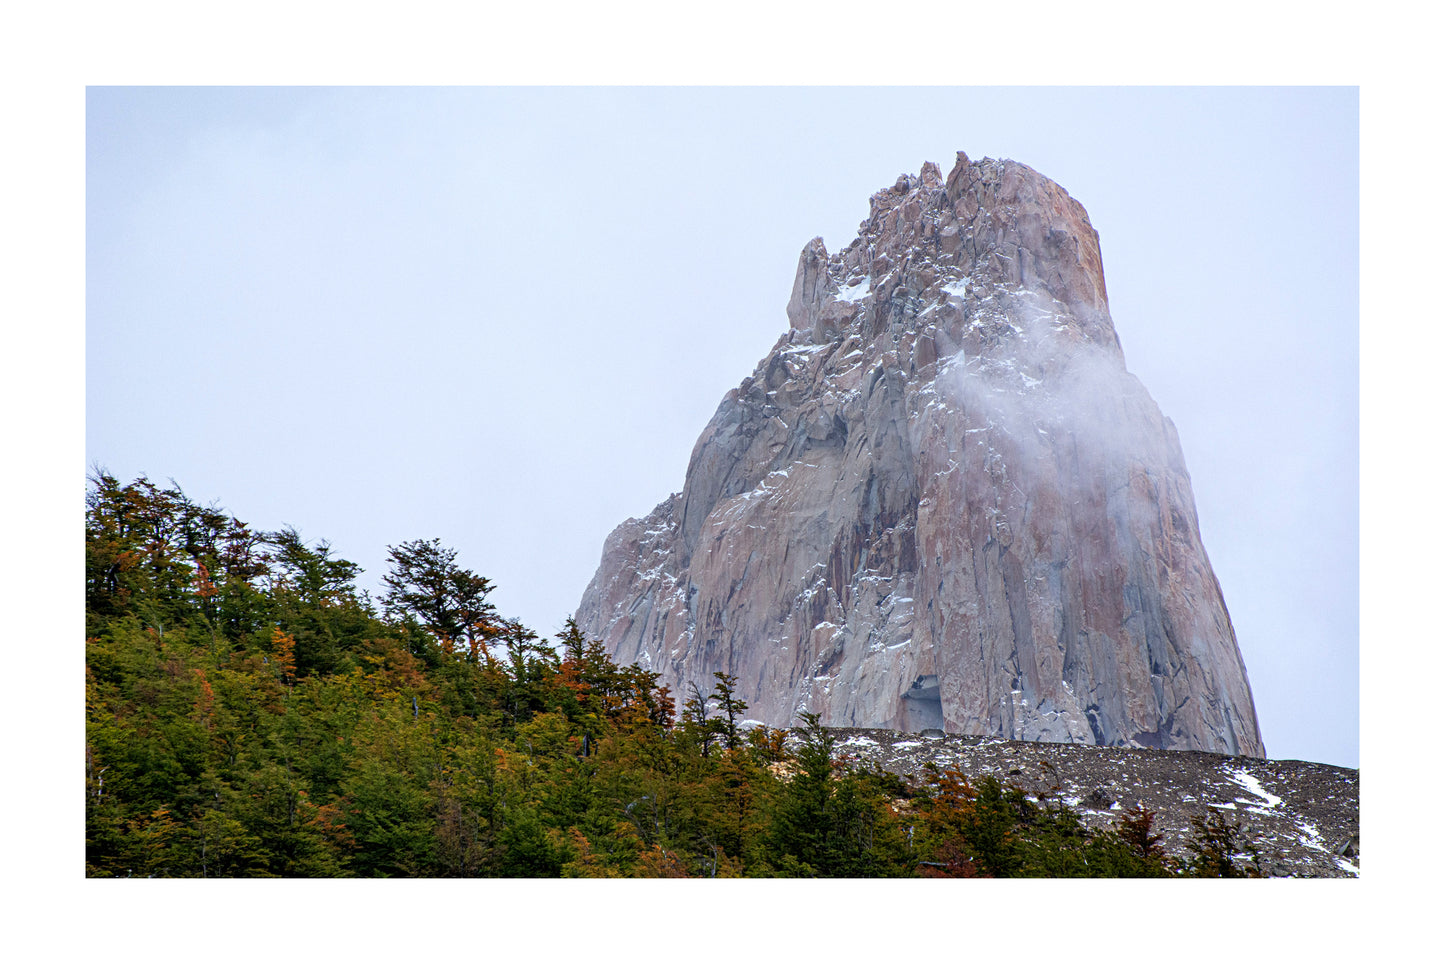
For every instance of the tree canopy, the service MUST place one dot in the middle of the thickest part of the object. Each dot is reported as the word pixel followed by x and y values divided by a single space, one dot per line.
pixel 250 713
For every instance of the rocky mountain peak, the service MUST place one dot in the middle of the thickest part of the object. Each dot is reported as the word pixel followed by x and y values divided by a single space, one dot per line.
pixel 992 224
pixel 941 500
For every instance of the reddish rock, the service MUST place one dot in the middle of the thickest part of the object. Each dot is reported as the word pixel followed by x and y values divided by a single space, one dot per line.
pixel 941 500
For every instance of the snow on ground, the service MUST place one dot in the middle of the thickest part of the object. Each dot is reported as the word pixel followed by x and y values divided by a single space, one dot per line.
pixel 1310 836
pixel 1252 784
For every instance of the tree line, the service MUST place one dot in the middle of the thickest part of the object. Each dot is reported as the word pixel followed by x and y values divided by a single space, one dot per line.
pixel 251 713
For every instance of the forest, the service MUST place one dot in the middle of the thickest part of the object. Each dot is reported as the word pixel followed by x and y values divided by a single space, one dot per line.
pixel 251 713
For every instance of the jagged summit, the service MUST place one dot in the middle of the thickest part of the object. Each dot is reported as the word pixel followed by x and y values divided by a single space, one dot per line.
pixel 1032 235
pixel 941 500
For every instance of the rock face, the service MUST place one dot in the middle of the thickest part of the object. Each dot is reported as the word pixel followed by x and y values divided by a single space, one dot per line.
pixel 941 501
pixel 1302 818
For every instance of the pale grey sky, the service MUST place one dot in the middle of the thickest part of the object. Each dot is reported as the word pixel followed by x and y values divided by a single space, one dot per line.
pixel 501 317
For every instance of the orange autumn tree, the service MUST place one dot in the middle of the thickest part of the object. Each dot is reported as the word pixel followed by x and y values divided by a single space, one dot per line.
pixel 283 644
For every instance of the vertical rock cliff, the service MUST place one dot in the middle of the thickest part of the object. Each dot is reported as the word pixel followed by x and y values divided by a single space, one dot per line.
pixel 941 500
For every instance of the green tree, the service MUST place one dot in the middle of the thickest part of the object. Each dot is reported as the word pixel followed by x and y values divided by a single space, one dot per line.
pixel 829 821
pixel 698 727
pixel 970 831
pixel 387 793
pixel 732 709
pixel 426 583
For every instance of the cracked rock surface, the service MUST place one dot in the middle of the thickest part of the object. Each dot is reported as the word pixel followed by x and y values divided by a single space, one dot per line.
pixel 941 500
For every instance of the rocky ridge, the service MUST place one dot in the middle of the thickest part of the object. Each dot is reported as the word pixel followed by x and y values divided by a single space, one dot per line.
pixel 941 500
pixel 1302 818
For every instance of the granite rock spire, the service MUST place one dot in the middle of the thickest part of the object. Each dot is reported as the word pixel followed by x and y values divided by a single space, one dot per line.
pixel 941 500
